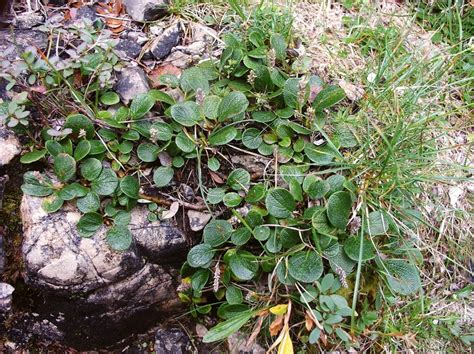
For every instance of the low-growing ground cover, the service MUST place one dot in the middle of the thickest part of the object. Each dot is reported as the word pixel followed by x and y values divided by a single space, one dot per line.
pixel 356 119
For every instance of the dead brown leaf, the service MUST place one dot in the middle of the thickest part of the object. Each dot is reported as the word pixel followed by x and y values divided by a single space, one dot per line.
pixel 216 178
pixel 156 73
pixel 276 326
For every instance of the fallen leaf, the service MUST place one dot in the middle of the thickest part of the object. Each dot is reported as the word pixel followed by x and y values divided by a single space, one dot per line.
pixel 216 178
pixel 276 326
pixel 279 310
pixel 161 70
pixel 174 207
pixel 308 321
pixel 286 345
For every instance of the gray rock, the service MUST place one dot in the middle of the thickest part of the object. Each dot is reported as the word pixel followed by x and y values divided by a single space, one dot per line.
pixel 172 341
pixel 6 291
pixel 55 2
pixel 86 12
pixel 131 82
pixel 3 183
pixel 237 344
pixel 164 43
pixel 28 20
pixel 127 48
pixel 95 287
pixel 13 43
pixel 9 146
pixel 146 10
pixel 2 253
pixel 198 220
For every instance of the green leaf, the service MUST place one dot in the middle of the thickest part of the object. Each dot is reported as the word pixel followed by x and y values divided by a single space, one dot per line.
pixel 119 238
pixel 338 209
pixel 36 185
pixel 240 236
pixel 193 79
pixel 53 147
pixel 280 203
pixel 199 279
pixel 88 224
pixel 52 203
pixel 223 136
pixel 64 167
pixel 262 233
pixel 252 138
pixel 256 193
pixel 328 97
pixel 80 123
pixel 200 255
pixel 88 204
pixel 263 116
pixel 305 266
pixel 106 183
pixel 402 277
pixel 278 43
pixel 377 224
pixel 186 113
pixel 213 164
pixel 318 189
pixel 290 92
pixel 232 105
pixel 91 169
pixel 72 191
pixel 226 328
pixel 217 232
pixel 161 96
pixel 210 106
pixel 148 152
pixel 215 195
pixel 320 155
pixel 243 265
pixel 352 246
pixel 233 295
pixel 33 156
pixel 82 149
pixel 163 176
pixel 109 98
pixel 141 105
pixel 232 200
pixel 162 130
pixel 130 186
pixel 122 218
pixel 184 143
pixel 238 179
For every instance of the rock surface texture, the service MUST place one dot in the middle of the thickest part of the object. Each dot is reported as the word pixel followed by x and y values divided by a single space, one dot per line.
pixel 146 10
pixel 14 42
pixel 131 82
pixel 172 341
pixel 164 43
pixel 9 146
pixel 86 276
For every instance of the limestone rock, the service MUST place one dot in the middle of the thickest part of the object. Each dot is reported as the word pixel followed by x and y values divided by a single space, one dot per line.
pixel 198 220
pixel 6 291
pixel 88 285
pixel 9 146
pixel 27 20
pixel 146 10
pixel 237 344
pixel 164 43
pixel 13 43
pixel 131 82
pixel 127 48
pixel 172 341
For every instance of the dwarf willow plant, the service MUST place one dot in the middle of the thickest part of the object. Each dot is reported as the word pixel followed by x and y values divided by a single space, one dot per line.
pixel 289 245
